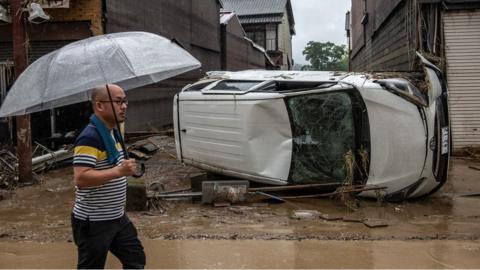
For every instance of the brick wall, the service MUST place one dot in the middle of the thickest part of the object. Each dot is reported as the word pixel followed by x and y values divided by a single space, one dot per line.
pixel 81 10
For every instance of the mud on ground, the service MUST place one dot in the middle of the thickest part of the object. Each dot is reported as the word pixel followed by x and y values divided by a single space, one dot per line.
pixel 41 212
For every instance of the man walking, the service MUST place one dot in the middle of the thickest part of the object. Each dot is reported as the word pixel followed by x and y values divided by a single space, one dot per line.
pixel 99 222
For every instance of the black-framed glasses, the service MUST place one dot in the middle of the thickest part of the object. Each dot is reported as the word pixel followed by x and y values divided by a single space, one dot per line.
pixel 118 102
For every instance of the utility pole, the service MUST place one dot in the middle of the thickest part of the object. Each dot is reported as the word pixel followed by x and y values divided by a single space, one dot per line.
pixel 24 133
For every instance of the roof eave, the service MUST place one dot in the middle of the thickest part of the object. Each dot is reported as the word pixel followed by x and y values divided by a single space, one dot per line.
pixel 291 18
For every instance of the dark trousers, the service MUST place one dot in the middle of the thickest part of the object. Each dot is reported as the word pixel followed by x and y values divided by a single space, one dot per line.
pixel 95 238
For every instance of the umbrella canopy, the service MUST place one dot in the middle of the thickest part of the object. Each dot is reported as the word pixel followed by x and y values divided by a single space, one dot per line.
pixel 66 76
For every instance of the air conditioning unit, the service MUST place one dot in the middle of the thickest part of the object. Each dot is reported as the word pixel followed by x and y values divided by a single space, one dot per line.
pixel 36 13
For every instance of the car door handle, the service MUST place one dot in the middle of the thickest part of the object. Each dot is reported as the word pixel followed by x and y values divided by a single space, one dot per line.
pixel 183 130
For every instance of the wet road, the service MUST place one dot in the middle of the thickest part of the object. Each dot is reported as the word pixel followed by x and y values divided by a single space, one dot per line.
pixel 441 231
pixel 263 254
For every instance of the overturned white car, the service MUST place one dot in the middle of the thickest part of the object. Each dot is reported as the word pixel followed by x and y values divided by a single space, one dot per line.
pixel 295 127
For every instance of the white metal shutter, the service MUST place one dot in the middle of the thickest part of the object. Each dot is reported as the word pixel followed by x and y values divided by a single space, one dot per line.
pixel 462 47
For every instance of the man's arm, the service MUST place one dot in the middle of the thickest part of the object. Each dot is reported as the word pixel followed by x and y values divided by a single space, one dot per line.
pixel 89 177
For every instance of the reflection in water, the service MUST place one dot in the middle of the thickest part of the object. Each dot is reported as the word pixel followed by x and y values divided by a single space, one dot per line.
pixel 263 254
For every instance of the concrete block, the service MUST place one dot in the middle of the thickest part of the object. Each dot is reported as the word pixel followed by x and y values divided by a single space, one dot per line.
pixel 136 195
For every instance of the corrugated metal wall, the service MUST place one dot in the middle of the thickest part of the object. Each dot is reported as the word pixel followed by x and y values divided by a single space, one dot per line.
pixel 462 48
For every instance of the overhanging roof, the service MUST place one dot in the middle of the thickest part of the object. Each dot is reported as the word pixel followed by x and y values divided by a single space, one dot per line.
pixel 271 18
pixel 261 11
pixel 255 7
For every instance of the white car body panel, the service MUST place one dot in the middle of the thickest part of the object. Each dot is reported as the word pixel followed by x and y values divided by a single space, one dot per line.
pixel 398 154
pixel 242 134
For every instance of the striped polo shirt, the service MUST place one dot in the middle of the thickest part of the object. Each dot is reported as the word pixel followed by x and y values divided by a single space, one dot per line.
pixel 106 201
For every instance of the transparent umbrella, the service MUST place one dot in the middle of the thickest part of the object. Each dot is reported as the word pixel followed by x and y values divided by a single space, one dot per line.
pixel 67 75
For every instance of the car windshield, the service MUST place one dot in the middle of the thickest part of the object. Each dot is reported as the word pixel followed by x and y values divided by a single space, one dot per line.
pixel 323 128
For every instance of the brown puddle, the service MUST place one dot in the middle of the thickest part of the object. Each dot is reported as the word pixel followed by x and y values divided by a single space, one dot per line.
pixel 262 254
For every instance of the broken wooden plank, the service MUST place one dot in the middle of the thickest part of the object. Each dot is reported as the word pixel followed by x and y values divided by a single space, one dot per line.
pixel 330 217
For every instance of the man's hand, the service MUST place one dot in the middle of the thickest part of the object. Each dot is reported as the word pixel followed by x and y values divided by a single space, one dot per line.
pixel 89 177
pixel 128 167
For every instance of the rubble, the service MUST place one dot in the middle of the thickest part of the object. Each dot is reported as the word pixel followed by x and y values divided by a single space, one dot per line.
pixel 8 169
pixel 305 214
pixel 38 211
pixel 375 222
pixel 474 168
pixel 42 160
pixel 240 210
pixel 330 217
pixel 145 148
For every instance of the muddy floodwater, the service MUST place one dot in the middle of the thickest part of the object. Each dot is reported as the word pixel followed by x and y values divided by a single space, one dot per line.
pixel 263 254
pixel 440 231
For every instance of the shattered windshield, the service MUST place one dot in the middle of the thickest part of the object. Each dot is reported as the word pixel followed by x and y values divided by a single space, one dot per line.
pixel 324 133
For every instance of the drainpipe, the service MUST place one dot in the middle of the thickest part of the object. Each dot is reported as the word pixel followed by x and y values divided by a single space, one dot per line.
pixel 24 133
pixel 223 46
pixel 53 125
pixel 347 29
pixel 104 16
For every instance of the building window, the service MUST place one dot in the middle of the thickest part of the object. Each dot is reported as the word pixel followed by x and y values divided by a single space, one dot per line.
pixel 258 36
pixel 271 37
pixel 264 35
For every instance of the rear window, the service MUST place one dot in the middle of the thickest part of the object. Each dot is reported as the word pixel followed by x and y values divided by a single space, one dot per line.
pixel 235 85
pixel 198 86
pixel 293 86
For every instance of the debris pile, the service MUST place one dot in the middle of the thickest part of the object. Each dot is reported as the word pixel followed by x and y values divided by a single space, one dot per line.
pixel 144 149
pixel 43 159
pixel 314 214
pixel 8 169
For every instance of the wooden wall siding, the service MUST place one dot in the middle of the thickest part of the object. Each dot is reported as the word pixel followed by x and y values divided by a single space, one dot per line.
pixel 256 59
pixel 195 25
pixel 188 21
pixel 240 53
pixel 391 47
pixel 237 50
pixel 205 24
pixel 169 18
pixel 382 8
pixel 237 53
pixel 358 7
pixel 150 108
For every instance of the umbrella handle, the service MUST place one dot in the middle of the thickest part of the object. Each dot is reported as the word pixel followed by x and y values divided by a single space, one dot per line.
pixel 140 173
pixel 122 143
